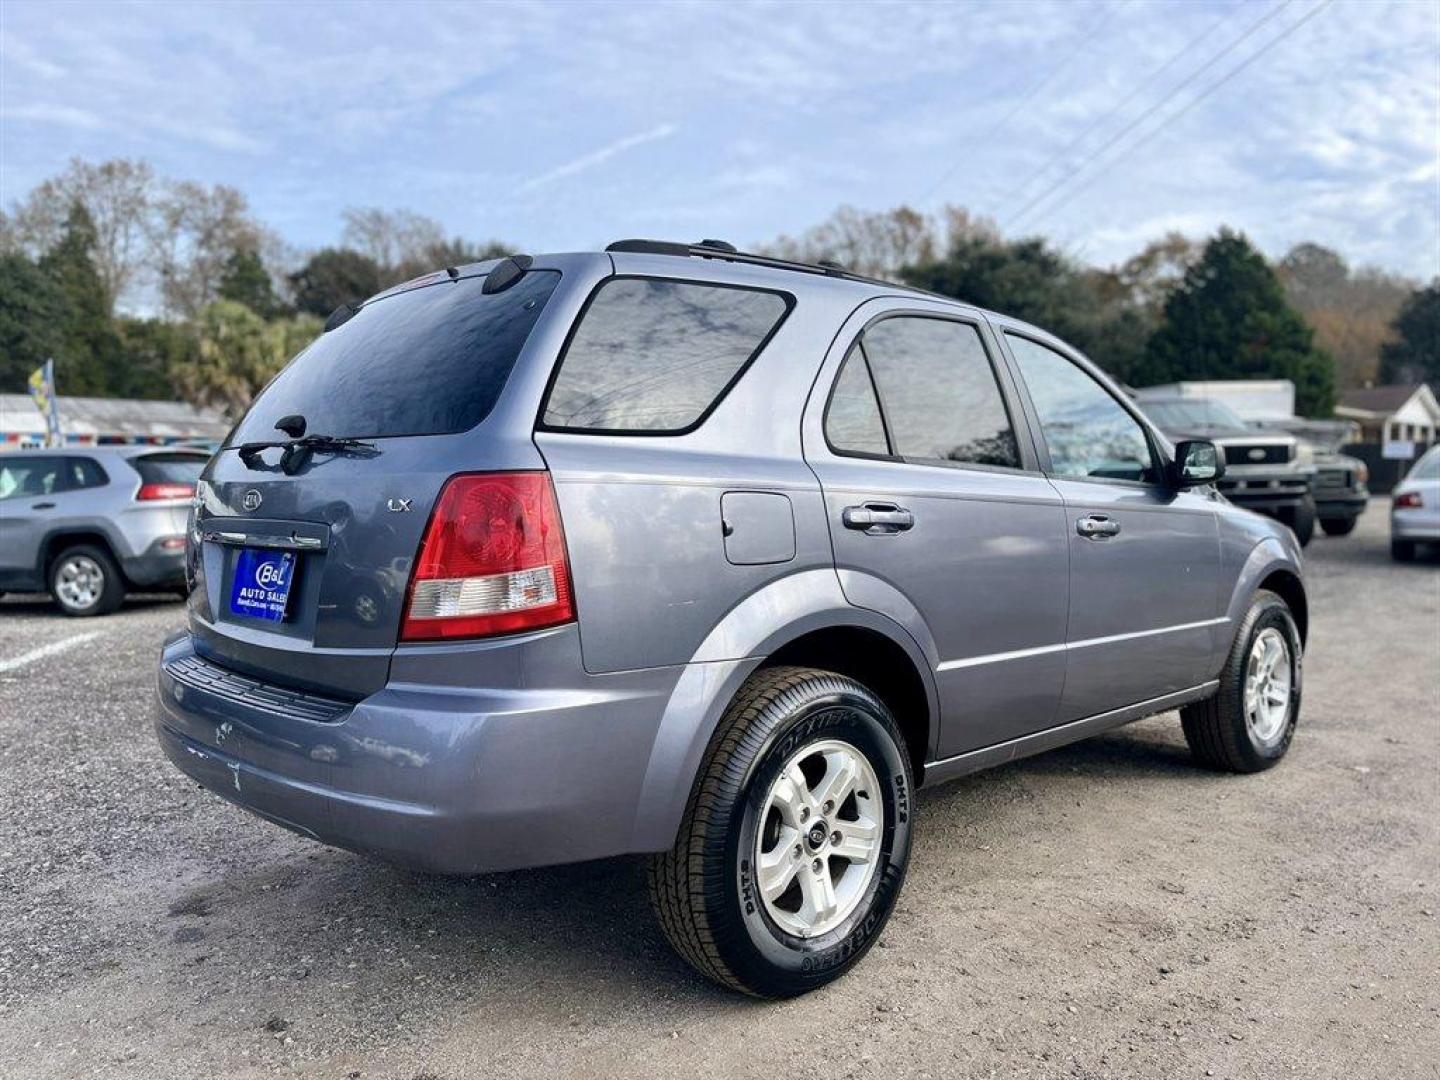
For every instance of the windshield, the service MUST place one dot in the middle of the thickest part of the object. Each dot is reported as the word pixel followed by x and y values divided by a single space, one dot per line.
pixel 429 361
pixel 1191 413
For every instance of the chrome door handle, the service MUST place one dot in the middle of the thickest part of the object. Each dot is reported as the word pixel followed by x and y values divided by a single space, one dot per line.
pixel 877 519
pixel 1097 527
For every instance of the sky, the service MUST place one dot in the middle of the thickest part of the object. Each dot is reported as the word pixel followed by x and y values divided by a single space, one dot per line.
pixel 563 126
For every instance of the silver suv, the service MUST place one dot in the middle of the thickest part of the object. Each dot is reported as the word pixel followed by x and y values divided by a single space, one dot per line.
pixel 88 524
pixel 676 550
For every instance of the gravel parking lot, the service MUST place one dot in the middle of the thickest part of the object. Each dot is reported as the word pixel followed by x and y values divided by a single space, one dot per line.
pixel 1104 910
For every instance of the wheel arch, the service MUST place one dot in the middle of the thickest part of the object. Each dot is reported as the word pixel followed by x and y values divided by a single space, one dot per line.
pixel 1269 566
pixel 1287 585
pixel 57 540
pixel 878 662
pixel 794 620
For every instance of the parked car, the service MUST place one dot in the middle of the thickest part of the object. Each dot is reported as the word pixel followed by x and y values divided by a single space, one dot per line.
pixel 1271 472
pixel 1341 490
pixel 708 556
pixel 1415 507
pixel 89 524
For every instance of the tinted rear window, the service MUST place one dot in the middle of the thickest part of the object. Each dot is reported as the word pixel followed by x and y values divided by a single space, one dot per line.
pixel 429 361
pixel 939 392
pixel 169 468
pixel 656 356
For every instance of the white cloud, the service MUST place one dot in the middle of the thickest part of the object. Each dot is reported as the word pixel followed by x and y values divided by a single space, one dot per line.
pixel 478 115
pixel 63 115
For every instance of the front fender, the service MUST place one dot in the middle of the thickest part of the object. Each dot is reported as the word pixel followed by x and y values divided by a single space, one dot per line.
pixel 781 612
pixel 1265 558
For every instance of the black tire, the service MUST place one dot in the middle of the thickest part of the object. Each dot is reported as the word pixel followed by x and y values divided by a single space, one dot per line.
pixel 1302 520
pixel 1338 526
pixel 1216 728
pixel 1402 550
pixel 111 591
pixel 702 889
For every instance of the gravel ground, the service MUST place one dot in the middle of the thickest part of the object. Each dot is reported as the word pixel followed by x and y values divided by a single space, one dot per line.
pixel 1106 910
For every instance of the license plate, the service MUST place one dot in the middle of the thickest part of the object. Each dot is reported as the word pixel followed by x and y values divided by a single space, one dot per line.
pixel 262 584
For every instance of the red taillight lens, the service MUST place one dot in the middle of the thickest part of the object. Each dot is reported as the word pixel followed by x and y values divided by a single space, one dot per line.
pixel 1410 500
pixel 492 560
pixel 149 492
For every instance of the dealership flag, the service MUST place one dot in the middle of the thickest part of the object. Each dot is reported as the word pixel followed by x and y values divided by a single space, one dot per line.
pixel 42 389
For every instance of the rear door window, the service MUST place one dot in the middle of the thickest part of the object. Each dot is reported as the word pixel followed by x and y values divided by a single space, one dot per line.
pixel 656 356
pixel 853 424
pixel 425 361
pixel 86 473
pixel 939 393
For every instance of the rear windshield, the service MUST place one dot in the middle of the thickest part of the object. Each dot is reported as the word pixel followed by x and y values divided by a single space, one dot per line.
pixel 430 361
pixel 169 468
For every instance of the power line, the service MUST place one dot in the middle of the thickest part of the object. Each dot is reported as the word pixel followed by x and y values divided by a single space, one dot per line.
pixel 1205 93
pixel 1169 97
pixel 1030 94
pixel 1185 50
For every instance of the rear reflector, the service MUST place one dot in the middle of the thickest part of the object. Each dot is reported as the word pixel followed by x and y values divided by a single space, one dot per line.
pixel 1410 500
pixel 149 492
pixel 492 560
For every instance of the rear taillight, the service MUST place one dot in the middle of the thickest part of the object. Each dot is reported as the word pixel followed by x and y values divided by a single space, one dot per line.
pixel 150 492
pixel 492 560
pixel 1410 500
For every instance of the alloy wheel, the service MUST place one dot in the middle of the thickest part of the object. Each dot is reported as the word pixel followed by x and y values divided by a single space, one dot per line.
pixel 819 841
pixel 79 582
pixel 1268 686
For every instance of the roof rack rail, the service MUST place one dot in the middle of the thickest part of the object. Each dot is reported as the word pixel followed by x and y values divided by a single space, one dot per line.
pixel 719 249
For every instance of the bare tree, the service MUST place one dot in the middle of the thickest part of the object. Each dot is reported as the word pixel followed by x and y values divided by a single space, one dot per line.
pixel 194 232
pixel 1351 311
pixel 875 243
pixel 393 238
pixel 118 195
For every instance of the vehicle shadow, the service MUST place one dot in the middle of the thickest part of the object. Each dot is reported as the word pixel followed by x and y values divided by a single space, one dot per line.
pixel 557 939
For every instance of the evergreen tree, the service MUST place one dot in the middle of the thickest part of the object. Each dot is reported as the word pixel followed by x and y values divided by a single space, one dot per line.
pixel 1414 354
pixel 1228 319
pixel 88 351
pixel 246 281
pixel 33 311
pixel 1030 280
pixel 335 276
pixel 155 351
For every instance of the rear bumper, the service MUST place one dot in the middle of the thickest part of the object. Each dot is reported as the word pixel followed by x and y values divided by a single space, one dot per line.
pixel 450 779
pixel 1423 524
pixel 157 567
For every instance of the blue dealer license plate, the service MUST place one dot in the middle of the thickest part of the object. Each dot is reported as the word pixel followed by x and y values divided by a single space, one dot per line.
pixel 262 583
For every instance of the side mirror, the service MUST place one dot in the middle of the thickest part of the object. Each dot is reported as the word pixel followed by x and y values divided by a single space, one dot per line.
pixel 1197 461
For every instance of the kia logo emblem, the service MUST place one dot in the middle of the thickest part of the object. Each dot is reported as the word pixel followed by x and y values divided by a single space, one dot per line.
pixel 1257 454
pixel 251 500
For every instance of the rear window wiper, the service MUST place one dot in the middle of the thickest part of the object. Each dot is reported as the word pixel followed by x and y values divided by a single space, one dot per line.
pixel 296 452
